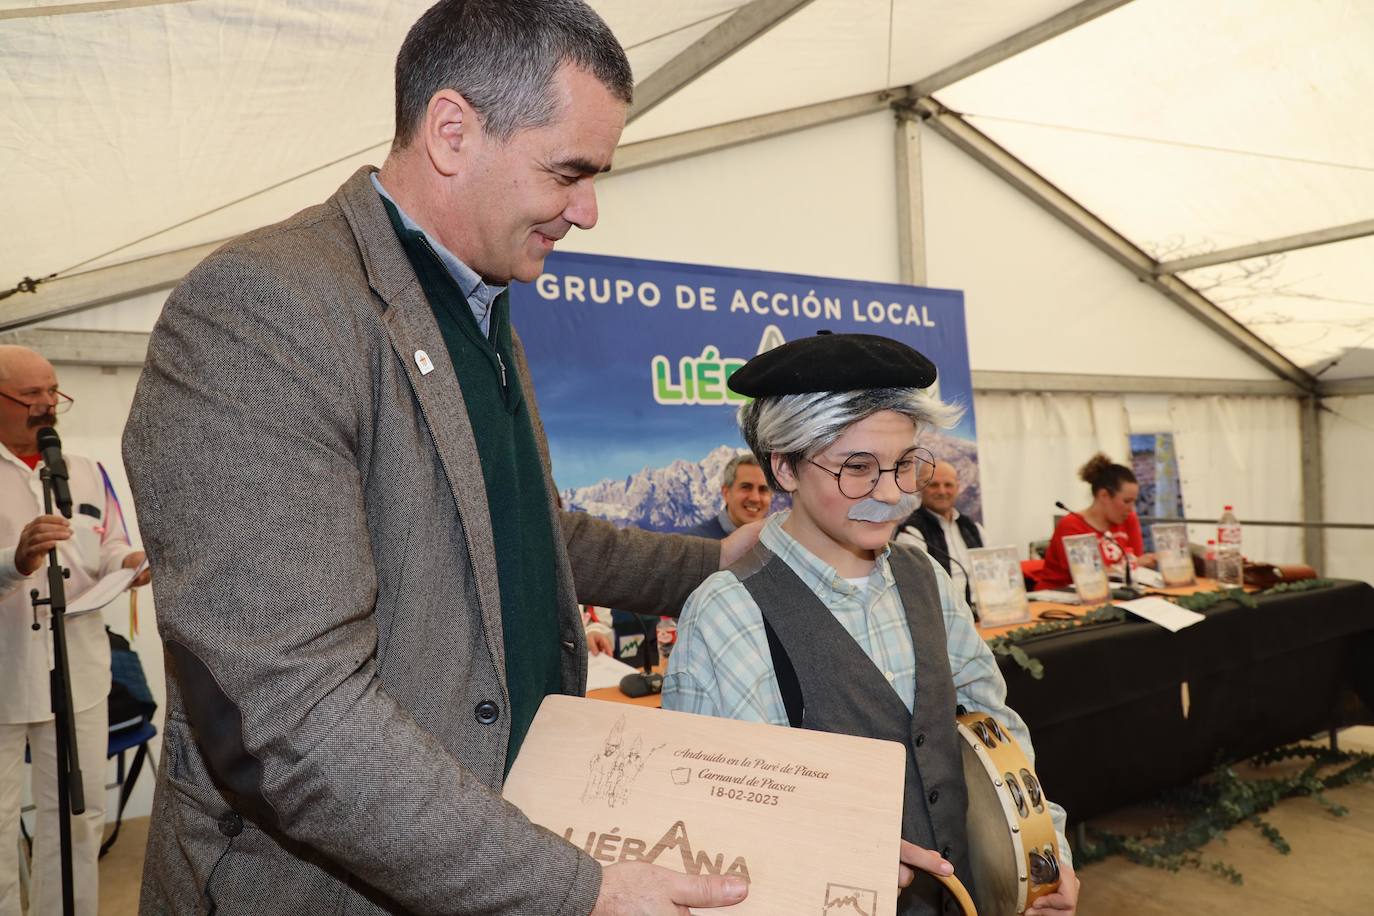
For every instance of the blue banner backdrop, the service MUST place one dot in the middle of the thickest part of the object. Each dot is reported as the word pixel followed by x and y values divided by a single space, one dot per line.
pixel 630 357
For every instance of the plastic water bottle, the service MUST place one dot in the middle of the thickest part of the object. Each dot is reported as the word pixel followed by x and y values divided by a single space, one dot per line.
pixel 1209 560
pixel 667 636
pixel 1228 531
pixel 1230 565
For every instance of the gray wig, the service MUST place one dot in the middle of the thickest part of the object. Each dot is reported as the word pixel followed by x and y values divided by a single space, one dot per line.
pixel 798 426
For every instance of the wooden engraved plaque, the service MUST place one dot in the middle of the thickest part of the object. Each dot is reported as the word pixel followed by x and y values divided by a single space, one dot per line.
pixel 811 818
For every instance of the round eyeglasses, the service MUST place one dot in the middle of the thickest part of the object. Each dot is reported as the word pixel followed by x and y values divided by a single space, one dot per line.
pixel 859 475
pixel 43 405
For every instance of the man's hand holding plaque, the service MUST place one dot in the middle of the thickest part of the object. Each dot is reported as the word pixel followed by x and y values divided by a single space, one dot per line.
pixel 637 889
pixel 810 821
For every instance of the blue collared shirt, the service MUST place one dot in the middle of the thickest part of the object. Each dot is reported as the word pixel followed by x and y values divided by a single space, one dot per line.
pixel 479 293
pixel 726 522
pixel 721 665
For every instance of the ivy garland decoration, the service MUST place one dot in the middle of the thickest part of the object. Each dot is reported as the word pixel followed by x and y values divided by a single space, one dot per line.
pixel 1208 808
pixel 1008 643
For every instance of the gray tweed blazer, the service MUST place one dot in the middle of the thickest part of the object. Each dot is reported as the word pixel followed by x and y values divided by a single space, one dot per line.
pixel 327 593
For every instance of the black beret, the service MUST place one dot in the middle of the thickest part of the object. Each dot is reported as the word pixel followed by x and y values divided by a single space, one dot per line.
pixel 833 362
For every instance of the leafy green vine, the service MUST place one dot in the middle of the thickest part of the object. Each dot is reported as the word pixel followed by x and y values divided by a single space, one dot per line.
pixel 1208 808
pixel 1006 644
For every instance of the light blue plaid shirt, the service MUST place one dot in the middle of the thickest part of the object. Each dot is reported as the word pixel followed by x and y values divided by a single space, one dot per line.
pixel 721 665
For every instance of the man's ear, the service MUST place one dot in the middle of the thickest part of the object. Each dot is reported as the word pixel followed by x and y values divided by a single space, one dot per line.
pixel 783 472
pixel 449 129
pixel 724 492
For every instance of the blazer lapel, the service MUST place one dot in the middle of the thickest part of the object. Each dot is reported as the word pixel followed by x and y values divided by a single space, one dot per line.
pixel 410 324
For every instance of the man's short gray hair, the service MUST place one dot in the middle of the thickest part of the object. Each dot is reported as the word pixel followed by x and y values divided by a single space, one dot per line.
pixel 798 426
pixel 727 476
pixel 501 55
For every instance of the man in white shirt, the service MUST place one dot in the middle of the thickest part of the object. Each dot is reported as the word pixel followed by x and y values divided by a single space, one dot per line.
pixel 941 531
pixel 92 544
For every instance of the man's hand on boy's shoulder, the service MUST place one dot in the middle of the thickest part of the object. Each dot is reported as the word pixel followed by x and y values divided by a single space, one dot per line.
pixel 739 542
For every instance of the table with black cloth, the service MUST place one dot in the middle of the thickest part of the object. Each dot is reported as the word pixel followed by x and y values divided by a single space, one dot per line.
pixel 1107 718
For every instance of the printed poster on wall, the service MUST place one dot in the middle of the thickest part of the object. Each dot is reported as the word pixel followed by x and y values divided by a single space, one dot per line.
pixel 1154 459
pixel 630 357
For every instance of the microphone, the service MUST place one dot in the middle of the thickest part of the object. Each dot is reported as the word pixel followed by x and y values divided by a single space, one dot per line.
pixel 1128 585
pixel 50 445
pixel 968 582
pixel 641 685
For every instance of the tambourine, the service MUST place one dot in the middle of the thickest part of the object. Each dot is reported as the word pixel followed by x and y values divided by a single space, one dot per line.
pixel 1012 846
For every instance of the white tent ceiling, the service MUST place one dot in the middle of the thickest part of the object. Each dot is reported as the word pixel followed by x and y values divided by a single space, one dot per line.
pixel 129 128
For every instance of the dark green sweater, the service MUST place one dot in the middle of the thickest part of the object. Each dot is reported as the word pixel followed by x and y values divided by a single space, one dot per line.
pixel 513 475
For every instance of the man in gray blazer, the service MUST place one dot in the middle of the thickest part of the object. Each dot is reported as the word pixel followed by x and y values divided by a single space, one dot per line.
pixel 364 584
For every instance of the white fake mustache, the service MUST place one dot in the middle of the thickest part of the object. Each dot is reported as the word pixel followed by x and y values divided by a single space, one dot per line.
pixel 875 510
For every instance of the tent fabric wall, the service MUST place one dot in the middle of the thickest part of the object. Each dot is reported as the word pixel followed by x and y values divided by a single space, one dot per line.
pixel 1030 447
pixel 820 201
pixel 1039 298
pixel 1244 452
pixel 1347 443
pixel 1154 115
pixel 1042 299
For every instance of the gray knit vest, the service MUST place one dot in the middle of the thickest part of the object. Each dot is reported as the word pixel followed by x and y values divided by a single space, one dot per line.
pixel 842 691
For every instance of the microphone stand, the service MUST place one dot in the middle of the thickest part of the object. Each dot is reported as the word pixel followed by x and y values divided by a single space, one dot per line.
pixel 71 796
pixel 968 582
pixel 1128 585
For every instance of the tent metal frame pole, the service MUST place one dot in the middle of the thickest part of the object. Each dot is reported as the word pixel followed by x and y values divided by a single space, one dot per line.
pixel 987 381
pixel 911 227
pixel 1273 246
pixel 67 9
pixel 1313 481
pixel 1054 26
pixel 1350 387
pixel 644 154
pixel 73 347
pixel 102 285
pixel 1047 196
pixel 743 26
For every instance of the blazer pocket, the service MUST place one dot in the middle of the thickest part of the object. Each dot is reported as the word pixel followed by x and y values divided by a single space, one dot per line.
pixel 186 773
pixel 245 869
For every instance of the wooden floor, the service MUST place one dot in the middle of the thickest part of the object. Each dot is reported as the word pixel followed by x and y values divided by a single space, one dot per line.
pixel 1330 870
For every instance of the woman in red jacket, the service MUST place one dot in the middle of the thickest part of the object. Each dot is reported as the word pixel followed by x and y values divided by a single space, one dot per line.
pixel 1111 516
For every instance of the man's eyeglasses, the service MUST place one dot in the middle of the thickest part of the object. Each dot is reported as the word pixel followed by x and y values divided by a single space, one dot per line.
pixel 43 406
pixel 860 473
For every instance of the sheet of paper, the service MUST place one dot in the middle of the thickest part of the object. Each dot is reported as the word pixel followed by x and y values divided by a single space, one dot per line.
pixel 105 591
pixel 1165 613
pixel 605 671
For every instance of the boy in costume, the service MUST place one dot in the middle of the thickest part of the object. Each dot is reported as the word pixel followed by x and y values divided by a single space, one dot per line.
pixel 824 625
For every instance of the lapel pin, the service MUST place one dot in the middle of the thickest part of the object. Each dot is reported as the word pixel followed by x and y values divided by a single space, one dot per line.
pixel 423 361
